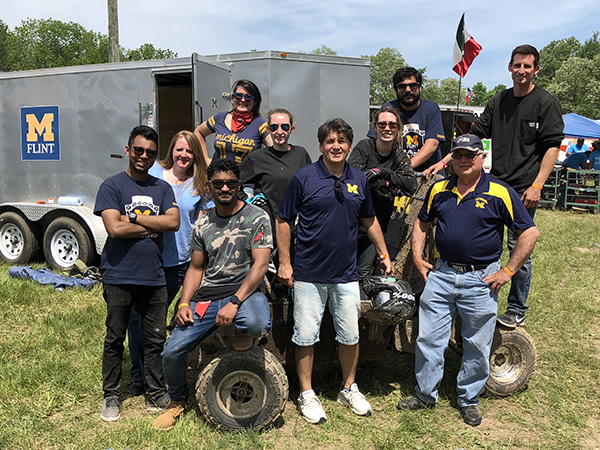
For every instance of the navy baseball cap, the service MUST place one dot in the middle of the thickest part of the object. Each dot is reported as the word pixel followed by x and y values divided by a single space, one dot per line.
pixel 468 142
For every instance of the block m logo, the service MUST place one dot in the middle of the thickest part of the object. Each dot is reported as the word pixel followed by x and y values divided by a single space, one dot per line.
pixel 40 135
pixel 38 128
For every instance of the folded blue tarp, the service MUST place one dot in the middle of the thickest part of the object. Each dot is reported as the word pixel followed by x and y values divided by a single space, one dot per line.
pixel 46 276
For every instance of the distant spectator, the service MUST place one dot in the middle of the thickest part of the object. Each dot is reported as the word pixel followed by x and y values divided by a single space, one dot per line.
pixel 595 156
pixel 578 147
pixel 578 161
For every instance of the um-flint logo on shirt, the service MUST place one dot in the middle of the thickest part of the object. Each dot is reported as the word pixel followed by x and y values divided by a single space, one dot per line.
pixel 480 202
pixel 40 133
pixel 352 188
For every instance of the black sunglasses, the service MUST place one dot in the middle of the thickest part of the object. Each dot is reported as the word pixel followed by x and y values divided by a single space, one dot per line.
pixel 218 184
pixel 403 87
pixel 245 97
pixel 275 126
pixel 139 151
pixel 470 156
pixel 337 189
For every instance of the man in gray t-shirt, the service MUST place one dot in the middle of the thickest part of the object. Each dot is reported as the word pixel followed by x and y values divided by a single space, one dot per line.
pixel 231 246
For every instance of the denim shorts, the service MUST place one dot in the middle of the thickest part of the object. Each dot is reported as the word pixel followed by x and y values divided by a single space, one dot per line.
pixel 309 304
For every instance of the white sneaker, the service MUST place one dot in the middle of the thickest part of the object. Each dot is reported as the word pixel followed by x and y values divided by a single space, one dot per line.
pixel 310 407
pixel 355 400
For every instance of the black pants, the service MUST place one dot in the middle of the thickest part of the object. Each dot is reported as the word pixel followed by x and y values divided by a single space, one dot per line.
pixel 151 302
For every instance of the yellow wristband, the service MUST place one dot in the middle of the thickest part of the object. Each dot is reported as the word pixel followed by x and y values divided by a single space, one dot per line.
pixel 181 305
pixel 382 257
pixel 537 187
pixel 506 269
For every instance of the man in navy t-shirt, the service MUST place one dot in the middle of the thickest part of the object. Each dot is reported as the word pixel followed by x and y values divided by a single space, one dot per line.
pixel 136 209
pixel 330 198
pixel 422 129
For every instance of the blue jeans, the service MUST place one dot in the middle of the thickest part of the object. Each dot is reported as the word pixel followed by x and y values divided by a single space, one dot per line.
pixel 448 292
pixel 253 318
pixel 519 285
pixel 174 276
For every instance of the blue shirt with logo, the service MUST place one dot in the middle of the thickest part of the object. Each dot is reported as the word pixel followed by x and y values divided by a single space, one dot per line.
pixel 327 228
pixel 470 229
pixel 236 146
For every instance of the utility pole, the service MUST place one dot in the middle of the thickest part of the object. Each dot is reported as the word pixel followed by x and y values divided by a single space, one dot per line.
pixel 114 53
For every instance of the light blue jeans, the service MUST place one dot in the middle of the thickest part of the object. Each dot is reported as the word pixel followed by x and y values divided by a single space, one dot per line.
pixel 253 318
pixel 448 292
pixel 309 305
pixel 519 285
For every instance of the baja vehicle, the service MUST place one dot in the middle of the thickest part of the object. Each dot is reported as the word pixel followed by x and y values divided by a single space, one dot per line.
pixel 249 389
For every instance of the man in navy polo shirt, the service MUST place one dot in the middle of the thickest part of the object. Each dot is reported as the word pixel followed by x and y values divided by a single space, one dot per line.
pixel 471 208
pixel 330 198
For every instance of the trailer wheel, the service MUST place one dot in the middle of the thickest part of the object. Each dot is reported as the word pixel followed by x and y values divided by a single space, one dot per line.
pixel 17 241
pixel 512 362
pixel 240 390
pixel 65 241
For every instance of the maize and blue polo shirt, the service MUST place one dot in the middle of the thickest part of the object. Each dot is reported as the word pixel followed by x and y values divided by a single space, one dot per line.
pixel 327 229
pixel 470 229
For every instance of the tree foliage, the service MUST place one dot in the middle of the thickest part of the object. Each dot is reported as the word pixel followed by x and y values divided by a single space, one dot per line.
pixel 42 43
pixel 383 66
pixel 324 50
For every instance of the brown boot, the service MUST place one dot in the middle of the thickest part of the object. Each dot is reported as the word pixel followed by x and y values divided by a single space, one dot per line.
pixel 167 419
pixel 241 341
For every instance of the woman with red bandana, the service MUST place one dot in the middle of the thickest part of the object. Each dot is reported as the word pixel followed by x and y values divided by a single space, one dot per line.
pixel 239 131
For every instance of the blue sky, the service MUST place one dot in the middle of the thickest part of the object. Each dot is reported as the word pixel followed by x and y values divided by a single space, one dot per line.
pixel 423 31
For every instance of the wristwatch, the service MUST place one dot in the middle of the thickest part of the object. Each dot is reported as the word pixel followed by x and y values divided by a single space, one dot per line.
pixel 235 300
pixel 132 217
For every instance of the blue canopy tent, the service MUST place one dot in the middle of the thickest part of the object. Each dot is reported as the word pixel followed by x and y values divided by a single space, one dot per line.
pixel 579 126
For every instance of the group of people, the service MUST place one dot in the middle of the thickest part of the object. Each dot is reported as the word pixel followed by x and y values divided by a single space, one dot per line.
pixel 184 222
pixel 581 157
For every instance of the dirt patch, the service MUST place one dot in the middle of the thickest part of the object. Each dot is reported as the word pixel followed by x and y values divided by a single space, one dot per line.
pixel 595 249
pixel 591 439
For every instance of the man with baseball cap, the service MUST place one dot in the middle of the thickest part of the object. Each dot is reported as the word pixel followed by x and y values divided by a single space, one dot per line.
pixel 471 208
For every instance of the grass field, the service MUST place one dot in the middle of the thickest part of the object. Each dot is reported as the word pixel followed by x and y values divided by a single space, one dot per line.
pixel 50 386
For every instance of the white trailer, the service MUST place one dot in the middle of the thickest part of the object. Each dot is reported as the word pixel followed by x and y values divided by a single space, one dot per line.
pixel 63 131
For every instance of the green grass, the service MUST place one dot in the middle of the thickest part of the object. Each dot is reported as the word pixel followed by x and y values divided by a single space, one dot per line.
pixel 50 385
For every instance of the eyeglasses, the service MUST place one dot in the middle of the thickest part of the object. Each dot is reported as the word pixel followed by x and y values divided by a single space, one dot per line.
pixel 337 189
pixel 275 126
pixel 139 151
pixel 470 156
pixel 382 125
pixel 403 87
pixel 243 97
pixel 218 184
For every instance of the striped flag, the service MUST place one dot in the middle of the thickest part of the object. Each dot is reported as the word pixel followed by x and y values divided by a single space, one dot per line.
pixel 465 49
pixel 470 95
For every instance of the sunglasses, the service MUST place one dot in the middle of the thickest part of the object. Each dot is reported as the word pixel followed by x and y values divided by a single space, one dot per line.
pixel 275 126
pixel 243 97
pixel 337 189
pixel 139 151
pixel 218 184
pixel 470 156
pixel 403 87
pixel 382 125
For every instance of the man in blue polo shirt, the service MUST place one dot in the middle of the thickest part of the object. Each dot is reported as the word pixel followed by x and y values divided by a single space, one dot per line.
pixel 330 198
pixel 471 208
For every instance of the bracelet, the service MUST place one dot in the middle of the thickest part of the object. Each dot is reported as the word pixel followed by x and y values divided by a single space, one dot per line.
pixel 507 270
pixel 537 187
pixel 181 305
pixel 444 163
pixel 382 257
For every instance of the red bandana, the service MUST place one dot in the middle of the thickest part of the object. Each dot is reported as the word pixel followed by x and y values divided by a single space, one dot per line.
pixel 240 120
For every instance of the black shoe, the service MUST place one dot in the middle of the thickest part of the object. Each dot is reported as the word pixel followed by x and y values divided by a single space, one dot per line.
pixel 471 415
pixel 136 389
pixel 511 319
pixel 413 403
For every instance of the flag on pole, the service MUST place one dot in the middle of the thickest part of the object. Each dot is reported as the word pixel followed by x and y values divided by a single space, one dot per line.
pixel 465 49
pixel 470 95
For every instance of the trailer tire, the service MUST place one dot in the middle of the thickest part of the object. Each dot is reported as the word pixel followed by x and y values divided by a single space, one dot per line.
pixel 66 241
pixel 17 240
pixel 241 390
pixel 512 362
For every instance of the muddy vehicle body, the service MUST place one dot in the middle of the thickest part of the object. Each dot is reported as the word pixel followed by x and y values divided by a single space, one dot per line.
pixel 237 390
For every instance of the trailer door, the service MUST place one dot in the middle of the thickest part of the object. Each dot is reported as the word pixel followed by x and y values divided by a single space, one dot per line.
pixel 210 81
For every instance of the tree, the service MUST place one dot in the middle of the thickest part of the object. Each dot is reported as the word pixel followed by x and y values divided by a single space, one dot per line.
pixel 553 55
pixel 444 92
pixel 147 52
pixel 4 46
pixel 383 66
pixel 324 50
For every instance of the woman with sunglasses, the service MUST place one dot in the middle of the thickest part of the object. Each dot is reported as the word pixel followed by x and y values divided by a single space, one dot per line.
pixel 390 174
pixel 239 131
pixel 269 172
pixel 184 168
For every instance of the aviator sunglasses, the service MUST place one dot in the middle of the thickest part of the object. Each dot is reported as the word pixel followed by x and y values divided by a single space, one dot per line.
pixel 139 151
pixel 245 97
pixel 218 184
pixel 284 126
pixel 382 125
pixel 470 156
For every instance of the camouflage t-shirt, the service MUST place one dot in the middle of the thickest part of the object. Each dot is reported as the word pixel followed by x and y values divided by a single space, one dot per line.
pixel 228 243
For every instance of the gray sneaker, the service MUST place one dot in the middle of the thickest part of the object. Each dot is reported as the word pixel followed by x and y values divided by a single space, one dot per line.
pixel 160 404
pixel 511 319
pixel 110 409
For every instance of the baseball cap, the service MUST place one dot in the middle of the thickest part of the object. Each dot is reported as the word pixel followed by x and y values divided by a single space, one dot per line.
pixel 468 142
